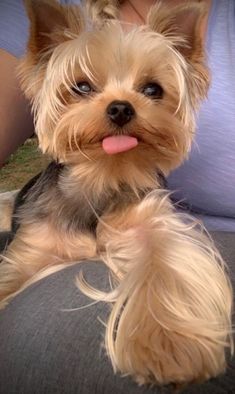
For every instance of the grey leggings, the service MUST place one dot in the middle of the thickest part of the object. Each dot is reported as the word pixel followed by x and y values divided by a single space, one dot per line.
pixel 45 349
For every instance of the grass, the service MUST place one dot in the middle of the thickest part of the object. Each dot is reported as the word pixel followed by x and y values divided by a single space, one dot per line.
pixel 22 166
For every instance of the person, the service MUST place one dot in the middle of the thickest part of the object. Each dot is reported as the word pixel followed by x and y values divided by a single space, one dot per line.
pixel 49 341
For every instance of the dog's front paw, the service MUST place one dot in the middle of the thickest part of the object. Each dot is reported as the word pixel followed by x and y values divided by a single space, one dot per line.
pixel 153 354
pixel 171 319
pixel 171 316
pixel 162 330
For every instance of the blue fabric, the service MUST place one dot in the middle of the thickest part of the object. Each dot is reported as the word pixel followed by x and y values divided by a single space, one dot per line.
pixel 206 182
pixel 14 27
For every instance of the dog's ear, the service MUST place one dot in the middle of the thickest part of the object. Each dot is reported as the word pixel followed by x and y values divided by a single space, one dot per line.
pixel 184 23
pixel 50 23
pixel 184 26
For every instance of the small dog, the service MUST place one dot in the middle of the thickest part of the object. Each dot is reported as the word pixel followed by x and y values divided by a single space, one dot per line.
pixel 114 108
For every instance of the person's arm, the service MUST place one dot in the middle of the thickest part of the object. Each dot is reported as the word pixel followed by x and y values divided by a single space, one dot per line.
pixel 15 119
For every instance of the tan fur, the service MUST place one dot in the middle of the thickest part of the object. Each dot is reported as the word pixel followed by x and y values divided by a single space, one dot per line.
pixel 6 209
pixel 34 249
pixel 100 10
pixel 172 298
pixel 169 321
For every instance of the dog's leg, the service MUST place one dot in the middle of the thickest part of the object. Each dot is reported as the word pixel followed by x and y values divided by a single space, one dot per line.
pixel 6 209
pixel 39 249
pixel 171 318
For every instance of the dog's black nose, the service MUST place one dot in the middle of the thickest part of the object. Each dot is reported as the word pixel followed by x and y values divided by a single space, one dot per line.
pixel 120 112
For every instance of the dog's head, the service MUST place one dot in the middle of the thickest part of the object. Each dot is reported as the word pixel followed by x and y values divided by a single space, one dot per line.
pixel 114 101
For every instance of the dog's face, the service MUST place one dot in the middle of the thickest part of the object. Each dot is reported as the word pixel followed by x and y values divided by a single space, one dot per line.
pixel 105 96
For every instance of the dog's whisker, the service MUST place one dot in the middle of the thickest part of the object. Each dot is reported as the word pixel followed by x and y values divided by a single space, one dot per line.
pixel 83 153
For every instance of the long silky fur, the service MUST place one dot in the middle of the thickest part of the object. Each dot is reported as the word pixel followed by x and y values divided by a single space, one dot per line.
pixel 172 300
pixel 171 296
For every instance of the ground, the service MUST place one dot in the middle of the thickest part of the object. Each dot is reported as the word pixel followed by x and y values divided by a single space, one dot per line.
pixel 22 166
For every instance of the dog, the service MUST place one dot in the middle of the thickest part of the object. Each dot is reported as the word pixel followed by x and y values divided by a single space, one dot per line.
pixel 114 108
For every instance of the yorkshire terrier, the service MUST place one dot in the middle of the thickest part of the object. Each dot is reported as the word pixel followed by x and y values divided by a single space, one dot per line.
pixel 115 109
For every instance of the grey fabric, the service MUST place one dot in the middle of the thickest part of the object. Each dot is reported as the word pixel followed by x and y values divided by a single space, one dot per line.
pixel 44 349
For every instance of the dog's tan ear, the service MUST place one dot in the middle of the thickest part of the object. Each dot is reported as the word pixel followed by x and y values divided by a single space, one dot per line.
pixel 185 22
pixel 50 23
pixel 184 25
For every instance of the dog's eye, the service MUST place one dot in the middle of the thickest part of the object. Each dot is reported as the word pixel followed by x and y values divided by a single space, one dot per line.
pixel 82 88
pixel 152 90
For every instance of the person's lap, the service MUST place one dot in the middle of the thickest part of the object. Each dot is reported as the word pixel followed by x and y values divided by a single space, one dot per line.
pixel 45 349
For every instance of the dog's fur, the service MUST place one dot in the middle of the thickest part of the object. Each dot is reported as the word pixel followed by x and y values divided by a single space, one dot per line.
pixel 172 300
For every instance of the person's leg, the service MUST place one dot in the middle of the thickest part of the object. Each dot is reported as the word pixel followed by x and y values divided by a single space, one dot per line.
pixel 44 349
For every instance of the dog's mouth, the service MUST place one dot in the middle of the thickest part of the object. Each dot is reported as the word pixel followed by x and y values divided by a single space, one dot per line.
pixel 113 144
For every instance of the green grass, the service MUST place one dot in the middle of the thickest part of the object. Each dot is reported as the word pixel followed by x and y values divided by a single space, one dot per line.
pixel 22 166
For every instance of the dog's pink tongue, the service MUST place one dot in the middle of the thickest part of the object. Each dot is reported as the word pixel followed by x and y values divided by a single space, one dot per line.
pixel 118 143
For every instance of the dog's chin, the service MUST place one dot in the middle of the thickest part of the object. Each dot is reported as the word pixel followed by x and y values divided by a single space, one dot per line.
pixel 144 158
